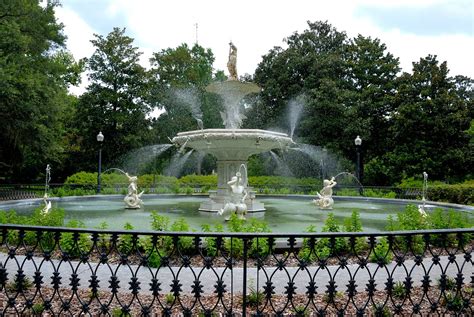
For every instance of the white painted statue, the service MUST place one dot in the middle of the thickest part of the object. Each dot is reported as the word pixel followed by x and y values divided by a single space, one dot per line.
pixel 132 199
pixel 237 198
pixel 325 200
pixel 47 205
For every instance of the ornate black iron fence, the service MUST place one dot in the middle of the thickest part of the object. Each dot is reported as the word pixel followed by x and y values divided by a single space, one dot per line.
pixel 25 191
pixel 67 271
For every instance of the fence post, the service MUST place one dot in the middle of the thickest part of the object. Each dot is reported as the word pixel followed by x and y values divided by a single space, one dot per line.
pixel 244 276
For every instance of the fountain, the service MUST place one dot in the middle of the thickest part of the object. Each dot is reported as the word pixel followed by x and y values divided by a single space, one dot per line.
pixel 47 203
pixel 231 146
pixel 422 207
pixel 132 199
pixel 325 200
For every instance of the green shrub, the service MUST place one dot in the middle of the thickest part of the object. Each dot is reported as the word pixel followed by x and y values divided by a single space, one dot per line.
pixel 74 243
pixel 37 309
pixel 381 252
pixel 409 219
pixel 198 180
pixel 354 224
pixel 211 243
pixel 170 298
pixel 185 244
pixel 118 312
pixel 159 222
pixel 255 297
pixel 335 245
pixel 447 219
pixel 125 244
pixel 307 251
pixel 379 193
pixel 399 291
pixel 456 194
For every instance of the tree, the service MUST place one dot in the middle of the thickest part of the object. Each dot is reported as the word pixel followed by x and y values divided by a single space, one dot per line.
pixel 371 74
pixel 35 71
pixel 180 76
pixel 115 102
pixel 428 131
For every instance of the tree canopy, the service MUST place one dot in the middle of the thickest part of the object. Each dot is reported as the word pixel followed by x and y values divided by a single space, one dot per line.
pixel 410 122
pixel 35 72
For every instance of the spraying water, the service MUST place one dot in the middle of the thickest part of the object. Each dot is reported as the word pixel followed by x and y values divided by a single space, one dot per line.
pixel 282 168
pixel 295 109
pixel 328 162
pixel 190 98
pixel 47 179
pixel 177 164
pixel 138 159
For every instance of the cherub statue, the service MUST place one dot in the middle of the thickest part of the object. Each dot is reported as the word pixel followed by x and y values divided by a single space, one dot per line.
pixel 325 200
pixel 132 199
pixel 232 63
pixel 237 197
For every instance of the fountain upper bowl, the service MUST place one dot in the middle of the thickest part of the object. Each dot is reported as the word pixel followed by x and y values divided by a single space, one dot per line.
pixel 233 143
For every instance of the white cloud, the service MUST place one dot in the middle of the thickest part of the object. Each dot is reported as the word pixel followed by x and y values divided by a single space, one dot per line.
pixel 257 26
pixel 79 34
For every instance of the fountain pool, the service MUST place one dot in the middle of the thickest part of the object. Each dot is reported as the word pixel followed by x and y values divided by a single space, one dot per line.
pixel 283 214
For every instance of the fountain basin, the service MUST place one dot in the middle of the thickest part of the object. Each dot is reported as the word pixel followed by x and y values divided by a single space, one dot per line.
pixel 284 213
pixel 233 144
pixel 232 148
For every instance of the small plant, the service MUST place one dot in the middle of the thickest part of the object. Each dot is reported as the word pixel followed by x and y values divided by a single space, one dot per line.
pixel 255 298
pixel 125 244
pixel 381 252
pixel 204 314
pixel 453 302
pixel 37 309
pixel 307 251
pixel 447 284
pixel 399 290
pixel 381 310
pixel 118 312
pixel 337 295
pixel 336 246
pixel 159 222
pixel 74 243
pixel 170 298
pixel 300 310
pixel 19 284
pixel 103 238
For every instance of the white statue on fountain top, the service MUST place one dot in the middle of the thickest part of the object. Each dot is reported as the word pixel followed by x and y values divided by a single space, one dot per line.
pixel 237 198
pixel 132 199
pixel 325 200
pixel 232 63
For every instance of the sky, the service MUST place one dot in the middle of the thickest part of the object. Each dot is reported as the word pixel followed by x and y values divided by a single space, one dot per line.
pixel 411 29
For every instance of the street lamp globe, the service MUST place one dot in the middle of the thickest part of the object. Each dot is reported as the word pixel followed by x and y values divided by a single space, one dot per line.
pixel 100 137
pixel 358 141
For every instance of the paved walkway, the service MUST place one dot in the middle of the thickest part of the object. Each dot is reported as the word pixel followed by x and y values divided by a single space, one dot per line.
pixel 234 278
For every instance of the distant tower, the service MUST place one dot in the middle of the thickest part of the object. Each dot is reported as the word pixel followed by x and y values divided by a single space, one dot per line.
pixel 196 26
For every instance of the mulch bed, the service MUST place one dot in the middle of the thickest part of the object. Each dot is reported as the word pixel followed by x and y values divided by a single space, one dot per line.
pixel 74 301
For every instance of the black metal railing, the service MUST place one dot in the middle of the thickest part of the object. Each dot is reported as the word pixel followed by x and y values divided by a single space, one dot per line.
pixel 25 191
pixel 67 271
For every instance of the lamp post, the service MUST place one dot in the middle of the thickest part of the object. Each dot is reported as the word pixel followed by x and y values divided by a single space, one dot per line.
pixel 358 143
pixel 100 139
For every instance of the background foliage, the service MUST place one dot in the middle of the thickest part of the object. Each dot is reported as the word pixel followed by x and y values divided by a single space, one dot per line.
pixel 410 122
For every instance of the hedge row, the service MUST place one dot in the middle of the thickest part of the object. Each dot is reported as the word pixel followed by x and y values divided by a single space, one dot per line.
pixel 457 194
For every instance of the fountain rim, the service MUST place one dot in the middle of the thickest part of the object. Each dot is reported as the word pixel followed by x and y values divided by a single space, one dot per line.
pixel 232 131
pixel 38 201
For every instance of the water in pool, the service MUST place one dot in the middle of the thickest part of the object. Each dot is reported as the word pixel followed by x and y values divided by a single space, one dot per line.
pixel 282 214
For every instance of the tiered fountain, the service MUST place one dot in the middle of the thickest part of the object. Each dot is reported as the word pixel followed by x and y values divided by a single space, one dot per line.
pixel 232 146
